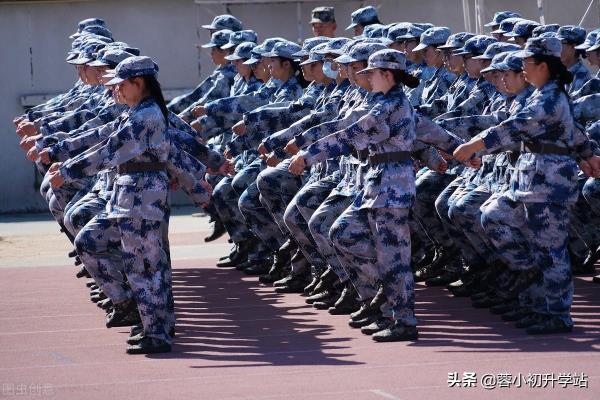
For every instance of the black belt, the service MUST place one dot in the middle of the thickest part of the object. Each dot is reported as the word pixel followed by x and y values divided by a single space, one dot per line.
pixel 132 167
pixel 544 148
pixel 395 156
pixel 362 154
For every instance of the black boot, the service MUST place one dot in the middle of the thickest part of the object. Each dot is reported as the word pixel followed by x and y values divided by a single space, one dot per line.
pixel 237 256
pixel 515 315
pixel 90 283
pixel 124 314
pixel 347 302
pixel 292 284
pixel 396 332
pixel 326 281
pixel 83 273
pixel 217 232
pixel 531 319
pixel 377 326
pixel 552 325
pixel 434 268
pixel 149 346
pixel 524 280
pixel 311 286
pixel 258 268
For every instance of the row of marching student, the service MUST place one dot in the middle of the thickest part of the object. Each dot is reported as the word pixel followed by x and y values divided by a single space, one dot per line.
pixel 345 169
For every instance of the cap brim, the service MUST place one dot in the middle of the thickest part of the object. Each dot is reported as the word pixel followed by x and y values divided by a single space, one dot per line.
pixel 98 63
pixel 523 54
pixel 316 21
pixel 270 54
pixel 114 81
pixel 482 57
pixel 344 59
pixel 592 48
pixel 510 34
pixel 499 31
pixel 74 35
pixel 80 61
pixel 208 45
pixel 352 25
pixel 491 24
pixel 420 46
pixel 489 69
pixel 447 47
pixel 385 41
pixel 251 61
pixel 227 46
pixel 209 27
pixel 366 70
pixel 300 54
pixel 582 47
pixel 233 57
pixel 309 61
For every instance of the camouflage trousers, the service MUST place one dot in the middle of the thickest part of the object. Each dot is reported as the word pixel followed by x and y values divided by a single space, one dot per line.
pixel 429 185
pixel 444 204
pixel 465 213
pixel 588 223
pixel 534 235
pixel 112 249
pixel 300 210
pixel 80 211
pixel 277 187
pixel 375 245
pixel 583 232
pixel 260 221
pixel 320 224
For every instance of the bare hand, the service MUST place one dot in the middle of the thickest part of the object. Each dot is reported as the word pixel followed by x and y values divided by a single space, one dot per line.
pixel 291 147
pixel 239 128
pixel 272 160
pixel 297 165
pixel 262 150
pixel 17 121
pixel 443 167
pixel 198 111
pixel 45 156
pixel 56 179
pixel 26 129
pixel 206 186
pixel 54 167
pixel 32 154
pixel 27 142
pixel 196 125
pixel 474 163
pixel 466 150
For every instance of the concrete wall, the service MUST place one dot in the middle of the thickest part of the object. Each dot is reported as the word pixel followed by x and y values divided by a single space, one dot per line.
pixel 34 43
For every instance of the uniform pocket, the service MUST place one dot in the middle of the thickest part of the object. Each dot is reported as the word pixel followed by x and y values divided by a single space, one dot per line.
pixel 526 170
pixel 124 193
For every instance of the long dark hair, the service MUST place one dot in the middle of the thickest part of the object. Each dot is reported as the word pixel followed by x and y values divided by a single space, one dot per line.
pixel 297 72
pixel 403 77
pixel 155 91
pixel 558 70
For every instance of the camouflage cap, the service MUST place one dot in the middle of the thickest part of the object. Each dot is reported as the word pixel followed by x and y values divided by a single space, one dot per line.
pixel 360 52
pixel 497 48
pixel 132 67
pixel 523 28
pixel 589 40
pixel 507 25
pixel 314 55
pixel 456 40
pixel 87 22
pixel 501 16
pixel 496 61
pixel 225 21
pixel 388 59
pixel 539 30
pixel 110 58
pixel 475 46
pixel 240 37
pixel 284 49
pixel 571 34
pixel 335 45
pixel 243 51
pixel 309 44
pixel 322 15
pixel 363 16
pixel 435 36
pixel 218 39
pixel 542 46
pixel 510 63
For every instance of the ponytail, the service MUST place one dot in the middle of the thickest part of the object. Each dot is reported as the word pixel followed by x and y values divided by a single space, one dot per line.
pixel 403 77
pixel 153 87
pixel 558 70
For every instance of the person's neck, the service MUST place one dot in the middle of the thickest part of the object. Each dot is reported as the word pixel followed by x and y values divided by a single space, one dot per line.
pixel 570 62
